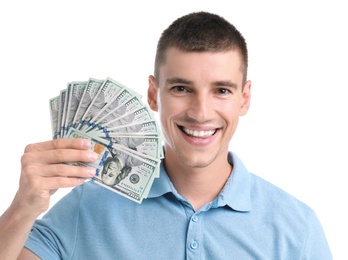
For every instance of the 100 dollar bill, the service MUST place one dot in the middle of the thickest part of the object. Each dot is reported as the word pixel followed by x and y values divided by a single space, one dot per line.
pixel 123 171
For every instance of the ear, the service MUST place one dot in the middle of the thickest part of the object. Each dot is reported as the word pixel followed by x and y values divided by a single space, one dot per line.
pixel 245 99
pixel 152 93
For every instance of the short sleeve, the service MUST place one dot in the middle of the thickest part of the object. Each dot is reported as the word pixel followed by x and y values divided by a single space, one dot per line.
pixel 53 236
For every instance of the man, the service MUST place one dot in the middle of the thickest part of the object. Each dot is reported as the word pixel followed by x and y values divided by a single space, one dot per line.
pixel 205 205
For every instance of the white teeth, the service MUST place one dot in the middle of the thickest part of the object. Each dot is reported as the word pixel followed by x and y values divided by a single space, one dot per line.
pixel 197 133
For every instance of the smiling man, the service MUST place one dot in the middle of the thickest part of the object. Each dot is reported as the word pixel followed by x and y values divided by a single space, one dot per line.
pixel 204 205
pixel 200 96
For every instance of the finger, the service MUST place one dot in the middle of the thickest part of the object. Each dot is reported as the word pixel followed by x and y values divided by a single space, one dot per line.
pixel 69 171
pixel 62 182
pixel 57 170
pixel 63 176
pixel 41 186
pixel 58 156
pixel 51 177
pixel 60 143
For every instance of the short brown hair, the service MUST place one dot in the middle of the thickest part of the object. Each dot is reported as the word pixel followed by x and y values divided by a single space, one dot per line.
pixel 201 32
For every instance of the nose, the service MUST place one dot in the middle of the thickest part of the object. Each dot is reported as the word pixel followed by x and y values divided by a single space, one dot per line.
pixel 201 108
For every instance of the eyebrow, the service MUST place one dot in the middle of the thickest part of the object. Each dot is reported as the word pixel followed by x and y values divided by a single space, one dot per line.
pixel 226 83
pixel 220 83
pixel 178 81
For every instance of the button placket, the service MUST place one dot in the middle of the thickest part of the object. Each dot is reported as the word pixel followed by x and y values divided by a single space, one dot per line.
pixel 194 237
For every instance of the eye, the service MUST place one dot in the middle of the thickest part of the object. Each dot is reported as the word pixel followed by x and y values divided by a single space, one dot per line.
pixel 223 91
pixel 178 89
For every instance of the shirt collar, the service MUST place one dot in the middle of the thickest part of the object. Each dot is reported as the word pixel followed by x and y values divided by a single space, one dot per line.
pixel 161 185
pixel 235 194
pixel 237 190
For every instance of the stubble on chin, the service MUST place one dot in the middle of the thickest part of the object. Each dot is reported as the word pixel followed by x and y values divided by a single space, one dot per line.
pixel 194 159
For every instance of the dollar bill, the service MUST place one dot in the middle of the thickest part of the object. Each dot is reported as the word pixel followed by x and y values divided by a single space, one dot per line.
pixel 147 145
pixel 54 114
pixel 115 105
pixel 88 95
pixel 61 113
pixel 122 130
pixel 103 96
pixel 137 116
pixel 128 106
pixel 147 127
pixel 125 172
pixel 74 94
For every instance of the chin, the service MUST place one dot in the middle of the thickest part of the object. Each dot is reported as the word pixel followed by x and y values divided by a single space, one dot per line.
pixel 197 162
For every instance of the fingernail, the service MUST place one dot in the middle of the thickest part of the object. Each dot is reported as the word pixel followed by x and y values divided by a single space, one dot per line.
pixel 91 171
pixel 86 143
pixel 93 155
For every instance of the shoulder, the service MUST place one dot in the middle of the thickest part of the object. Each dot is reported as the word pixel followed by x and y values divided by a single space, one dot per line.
pixel 292 217
pixel 264 194
pixel 269 195
pixel 288 215
pixel 271 203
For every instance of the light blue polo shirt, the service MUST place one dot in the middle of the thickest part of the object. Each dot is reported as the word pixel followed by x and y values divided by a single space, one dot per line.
pixel 250 219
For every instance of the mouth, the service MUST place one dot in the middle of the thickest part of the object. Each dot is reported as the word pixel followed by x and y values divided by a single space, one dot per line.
pixel 198 133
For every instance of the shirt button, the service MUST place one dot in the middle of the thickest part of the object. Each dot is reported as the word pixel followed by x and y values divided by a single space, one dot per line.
pixel 194 218
pixel 194 245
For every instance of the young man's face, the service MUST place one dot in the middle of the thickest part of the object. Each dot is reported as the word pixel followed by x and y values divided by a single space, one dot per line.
pixel 199 98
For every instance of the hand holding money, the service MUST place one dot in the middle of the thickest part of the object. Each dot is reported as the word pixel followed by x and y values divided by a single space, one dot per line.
pixel 122 131
pixel 43 172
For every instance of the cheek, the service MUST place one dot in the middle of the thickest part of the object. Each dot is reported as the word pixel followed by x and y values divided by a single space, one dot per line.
pixel 229 113
pixel 168 106
pixel 228 108
pixel 168 110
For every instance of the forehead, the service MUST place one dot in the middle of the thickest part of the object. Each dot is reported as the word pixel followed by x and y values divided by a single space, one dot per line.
pixel 196 66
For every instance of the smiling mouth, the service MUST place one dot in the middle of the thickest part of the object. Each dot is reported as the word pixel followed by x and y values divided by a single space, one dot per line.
pixel 198 133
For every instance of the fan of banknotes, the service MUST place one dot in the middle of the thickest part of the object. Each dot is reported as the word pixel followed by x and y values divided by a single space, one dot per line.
pixel 122 130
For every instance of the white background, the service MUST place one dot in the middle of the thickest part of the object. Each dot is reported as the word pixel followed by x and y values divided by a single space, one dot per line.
pixel 295 134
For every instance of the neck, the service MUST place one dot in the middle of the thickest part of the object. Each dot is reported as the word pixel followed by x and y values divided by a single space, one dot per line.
pixel 199 185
